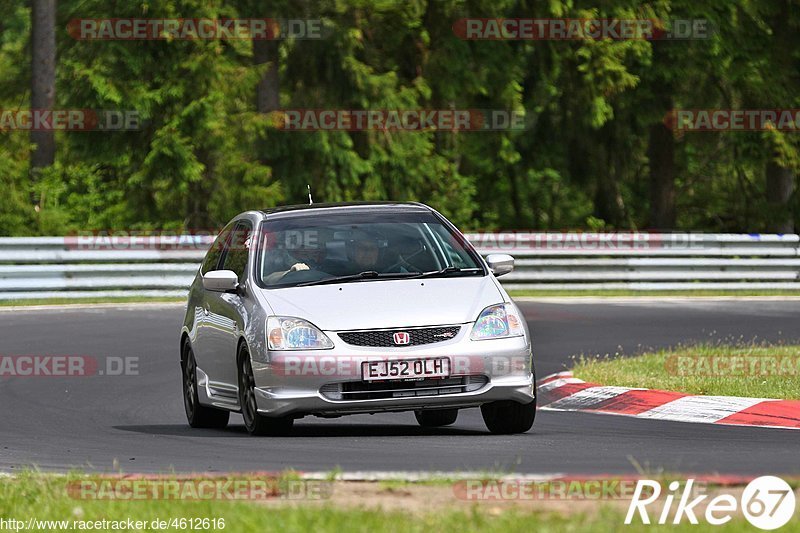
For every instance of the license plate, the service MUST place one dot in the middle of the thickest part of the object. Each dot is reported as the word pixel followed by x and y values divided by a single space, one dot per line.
pixel 406 369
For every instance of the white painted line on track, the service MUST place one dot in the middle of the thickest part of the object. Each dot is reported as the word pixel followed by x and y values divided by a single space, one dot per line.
pixel 588 397
pixel 707 409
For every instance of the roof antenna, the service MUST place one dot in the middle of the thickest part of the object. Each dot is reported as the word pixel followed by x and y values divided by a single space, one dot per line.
pixel 310 200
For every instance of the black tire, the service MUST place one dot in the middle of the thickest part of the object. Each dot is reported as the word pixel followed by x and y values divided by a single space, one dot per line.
pixel 507 416
pixel 255 423
pixel 198 416
pixel 436 418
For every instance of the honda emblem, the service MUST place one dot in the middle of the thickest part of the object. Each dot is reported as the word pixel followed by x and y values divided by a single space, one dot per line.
pixel 401 337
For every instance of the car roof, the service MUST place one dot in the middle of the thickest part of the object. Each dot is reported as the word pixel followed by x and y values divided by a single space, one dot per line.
pixel 402 206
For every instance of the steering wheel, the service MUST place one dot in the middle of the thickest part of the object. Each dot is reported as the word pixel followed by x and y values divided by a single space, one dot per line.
pixel 403 262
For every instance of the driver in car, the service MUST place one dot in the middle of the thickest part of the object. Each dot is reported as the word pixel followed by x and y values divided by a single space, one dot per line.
pixel 304 256
pixel 307 257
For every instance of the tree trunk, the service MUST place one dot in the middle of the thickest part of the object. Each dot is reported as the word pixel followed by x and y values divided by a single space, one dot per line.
pixel 608 202
pixel 661 144
pixel 661 154
pixel 43 77
pixel 780 186
pixel 267 91
pixel 268 88
pixel 780 180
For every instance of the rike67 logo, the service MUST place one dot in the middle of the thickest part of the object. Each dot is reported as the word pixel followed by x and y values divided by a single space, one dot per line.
pixel 767 502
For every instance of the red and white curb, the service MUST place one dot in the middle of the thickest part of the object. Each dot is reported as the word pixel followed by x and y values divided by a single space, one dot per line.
pixel 564 392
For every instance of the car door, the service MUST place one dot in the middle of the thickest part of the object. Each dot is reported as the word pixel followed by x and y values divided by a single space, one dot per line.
pixel 226 310
pixel 203 351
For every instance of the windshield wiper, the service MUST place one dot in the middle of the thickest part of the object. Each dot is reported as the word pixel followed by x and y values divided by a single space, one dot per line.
pixel 368 274
pixel 447 271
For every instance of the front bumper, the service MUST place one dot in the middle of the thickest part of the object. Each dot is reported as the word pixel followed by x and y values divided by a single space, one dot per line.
pixel 301 383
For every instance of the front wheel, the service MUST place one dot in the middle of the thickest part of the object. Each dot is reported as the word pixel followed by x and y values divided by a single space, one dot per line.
pixel 255 423
pixel 199 416
pixel 507 416
pixel 436 418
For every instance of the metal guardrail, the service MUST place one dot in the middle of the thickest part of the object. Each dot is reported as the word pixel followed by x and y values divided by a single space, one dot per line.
pixel 647 261
pixel 75 267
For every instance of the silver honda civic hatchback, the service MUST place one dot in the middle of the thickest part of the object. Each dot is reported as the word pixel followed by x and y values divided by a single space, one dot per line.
pixel 337 309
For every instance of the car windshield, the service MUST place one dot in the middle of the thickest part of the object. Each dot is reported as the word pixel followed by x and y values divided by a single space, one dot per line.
pixel 358 245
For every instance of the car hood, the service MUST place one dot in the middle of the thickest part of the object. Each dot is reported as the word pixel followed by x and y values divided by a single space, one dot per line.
pixel 387 303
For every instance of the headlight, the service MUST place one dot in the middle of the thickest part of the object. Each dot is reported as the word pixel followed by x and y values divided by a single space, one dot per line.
pixel 496 322
pixel 289 333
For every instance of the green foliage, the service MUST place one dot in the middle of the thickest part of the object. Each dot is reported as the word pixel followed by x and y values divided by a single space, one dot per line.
pixel 204 153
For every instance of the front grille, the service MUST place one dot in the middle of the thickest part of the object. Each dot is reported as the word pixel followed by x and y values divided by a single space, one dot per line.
pixel 385 338
pixel 377 390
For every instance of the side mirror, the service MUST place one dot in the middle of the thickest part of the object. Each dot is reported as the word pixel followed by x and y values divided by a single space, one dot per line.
pixel 500 264
pixel 220 280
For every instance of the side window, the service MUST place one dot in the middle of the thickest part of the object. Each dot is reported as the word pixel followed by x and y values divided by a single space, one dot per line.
pixel 212 257
pixel 238 249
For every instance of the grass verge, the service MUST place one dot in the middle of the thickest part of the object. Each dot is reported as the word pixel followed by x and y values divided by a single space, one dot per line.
pixel 78 301
pixel 514 294
pixel 45 498
pixel 647 294
pixel 755 370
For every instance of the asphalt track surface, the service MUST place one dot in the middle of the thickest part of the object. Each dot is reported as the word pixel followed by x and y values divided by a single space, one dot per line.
pixel 136 423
